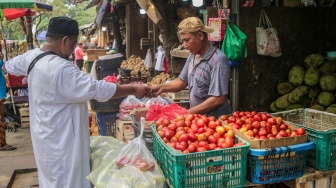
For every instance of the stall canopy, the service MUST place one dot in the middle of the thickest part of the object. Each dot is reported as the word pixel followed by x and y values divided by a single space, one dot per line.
pixel 13 13
pixel 31 4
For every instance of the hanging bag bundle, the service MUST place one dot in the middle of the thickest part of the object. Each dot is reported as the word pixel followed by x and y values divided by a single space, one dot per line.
pixel 234 45
pixel 268 43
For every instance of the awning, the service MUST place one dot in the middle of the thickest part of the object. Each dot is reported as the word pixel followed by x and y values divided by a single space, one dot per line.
pixel 86 26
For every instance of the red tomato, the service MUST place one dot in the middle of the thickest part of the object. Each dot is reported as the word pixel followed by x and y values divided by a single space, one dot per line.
pixel 249 133
pixel 217 136
pixel 283 126
pixel 161 134
pixel 205 120
pixel 278 120
pixel 179 118
pixel 256 124
pixel 192 147
pixel 188 123
pixel 200 123
pixel 271 121
pixel 236 114
pixel 166 122
pixel 220 130
pixel 169 134
pixel 181 123
pixel 203 144
pixel 264 116
pixel 201 130
pixel 192 136
pixel 201 137
pixel 180 147
pixel 189 117
pixel 212 124
pixel 174 139
pixel 257 117
pixel 223 117
pixel 212 139
pixel 219 123
pixel 212 146
pixel 183 138
pixel 194 128
pixel 200 149
pixel 172 126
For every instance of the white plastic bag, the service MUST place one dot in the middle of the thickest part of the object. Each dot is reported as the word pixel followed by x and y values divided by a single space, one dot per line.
pixel 160 56
pixel 127 105
pixel 93 70
pixel 148 59
pixel 157 100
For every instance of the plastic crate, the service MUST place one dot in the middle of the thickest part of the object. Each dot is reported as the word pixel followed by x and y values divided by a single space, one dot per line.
pixel 111 105
pixel 277 164
pixel 216 168
pixel 321 129
pixel 106 124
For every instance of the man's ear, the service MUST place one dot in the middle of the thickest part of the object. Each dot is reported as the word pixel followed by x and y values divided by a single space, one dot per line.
pixel 64 40
pixel 200 35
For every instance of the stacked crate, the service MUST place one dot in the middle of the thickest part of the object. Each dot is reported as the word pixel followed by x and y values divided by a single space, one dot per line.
pixel 24 116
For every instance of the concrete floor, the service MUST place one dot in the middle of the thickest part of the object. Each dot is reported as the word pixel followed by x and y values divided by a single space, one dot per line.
pixel 21 158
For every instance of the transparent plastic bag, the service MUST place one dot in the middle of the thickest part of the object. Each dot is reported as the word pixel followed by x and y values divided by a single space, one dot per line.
pixel 108 174
pixel 157 100
pixel 127 105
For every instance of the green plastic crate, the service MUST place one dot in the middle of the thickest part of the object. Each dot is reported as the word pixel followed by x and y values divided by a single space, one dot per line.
pixel 321 129
pixel 216 168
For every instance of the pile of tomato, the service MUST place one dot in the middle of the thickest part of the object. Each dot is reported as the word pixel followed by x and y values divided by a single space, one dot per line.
pixel 261 125
pixel 196 133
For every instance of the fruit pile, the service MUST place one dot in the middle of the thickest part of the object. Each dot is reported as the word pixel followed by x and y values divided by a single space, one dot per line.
pixel 261 126
pixel 196 133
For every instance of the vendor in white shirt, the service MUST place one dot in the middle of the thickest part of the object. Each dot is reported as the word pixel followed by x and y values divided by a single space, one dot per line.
pixel 58 95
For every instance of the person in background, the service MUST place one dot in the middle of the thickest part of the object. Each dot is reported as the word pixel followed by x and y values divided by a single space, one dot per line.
pixel 58 106
pixel 3 144
pixel 206 72
pixel 79 56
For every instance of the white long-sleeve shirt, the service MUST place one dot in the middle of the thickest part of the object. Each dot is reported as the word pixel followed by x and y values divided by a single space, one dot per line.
pixel 58 95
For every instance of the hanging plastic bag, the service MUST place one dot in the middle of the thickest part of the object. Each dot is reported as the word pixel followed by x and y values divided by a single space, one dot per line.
pixel 148 59
pixel 157 100
pixel 160 56
pixel 268 42
pixel 170 111
pixel 234 45
pixel 94 71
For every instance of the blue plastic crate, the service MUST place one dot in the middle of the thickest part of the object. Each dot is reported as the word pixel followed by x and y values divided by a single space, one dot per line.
pixel 277 164
pixel 106 124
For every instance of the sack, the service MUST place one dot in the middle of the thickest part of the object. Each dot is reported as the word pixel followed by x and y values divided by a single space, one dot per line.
pixel 234 45
pixel 268 43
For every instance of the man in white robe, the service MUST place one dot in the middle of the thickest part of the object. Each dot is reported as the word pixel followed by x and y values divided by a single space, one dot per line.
pixel 58 95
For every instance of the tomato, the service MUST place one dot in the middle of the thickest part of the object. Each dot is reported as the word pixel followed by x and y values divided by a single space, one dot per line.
pixel 166 122
pixel 262 138
pixel 189 117
pixel 192 147
pixel 274 130
pixel 183 138
pixel 256 124
pixel 227 127
pixel 184 144
pixel 212 139
pixel 202 137
pixel 230 141
pixel 271 121
pixel 243 129
pixel 278 120
pixel 192 137
pixel 180 147
pixel 159 122
pixel 249 127
pixel 188 123
pixel 220 130
pixel 179 118
pixel 219 123
pixel 174 139
pixel 181 123
pixel 165 139
pixel 169 134
pixel 241 114
pixel 200 123
pixel 200 149
pixel 201 130
pixel 225 145
pixel 257 117
pixel 212 124
pixel 194 128
pixel 205 120
pixel 240 122
pixel 223 117
pixel 161 134
pixel 203 144
pixel 185 151
pixel 172 126
pixel 249 133
pixel 283 126
pixel 289 131
pixel 283 133
pixel 255 131
pixel 172 145
pixel 231 133
pixel 262 132
pixel 248 121
pixel 236 114
pixel 264 116
pixel 232 119
pixel 212 146
pixel 294 133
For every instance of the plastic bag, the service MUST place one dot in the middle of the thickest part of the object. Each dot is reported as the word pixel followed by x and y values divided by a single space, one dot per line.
pixel 234 45
pixel 127 105
pixel 105 173
pixel 170 111
pixel 94 71
pixel 157 100
pixel 112 79
pixel 148 59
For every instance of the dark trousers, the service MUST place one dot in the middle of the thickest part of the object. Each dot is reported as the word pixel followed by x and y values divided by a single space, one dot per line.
pixel 79 63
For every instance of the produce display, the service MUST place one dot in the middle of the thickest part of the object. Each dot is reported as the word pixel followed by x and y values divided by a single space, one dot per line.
pixel 159 79
pixel 261 126
pixel 195 133
pixel 137 65
pixel 312 85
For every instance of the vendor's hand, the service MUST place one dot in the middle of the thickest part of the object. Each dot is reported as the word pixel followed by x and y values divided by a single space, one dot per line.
pixel 141 91
pixel 156 90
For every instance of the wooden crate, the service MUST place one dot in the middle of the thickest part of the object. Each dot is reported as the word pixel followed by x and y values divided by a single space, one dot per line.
pixel 24 116
pixel 125 131
pixel 313 178
pixel 92 54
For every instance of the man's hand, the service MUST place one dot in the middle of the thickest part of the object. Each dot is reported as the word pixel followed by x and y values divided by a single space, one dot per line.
pixel 141 91
pixel 156 90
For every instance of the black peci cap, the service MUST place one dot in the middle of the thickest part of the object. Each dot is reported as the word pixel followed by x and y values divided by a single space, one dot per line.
pixel 63 26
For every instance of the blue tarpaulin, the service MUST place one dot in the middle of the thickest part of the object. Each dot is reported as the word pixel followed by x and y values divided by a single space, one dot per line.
pixel 42 35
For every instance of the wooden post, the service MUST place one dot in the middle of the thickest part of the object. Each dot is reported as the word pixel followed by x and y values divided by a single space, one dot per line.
pixel 29 32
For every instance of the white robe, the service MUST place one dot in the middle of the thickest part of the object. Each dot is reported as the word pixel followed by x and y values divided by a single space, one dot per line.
pixel 58 95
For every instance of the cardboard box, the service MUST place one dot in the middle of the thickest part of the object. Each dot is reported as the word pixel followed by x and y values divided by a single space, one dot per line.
pixel 219 24
pixel 181 95
pixel 279 142
pixel 125 131
pixel 139 112
pixel 92 54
